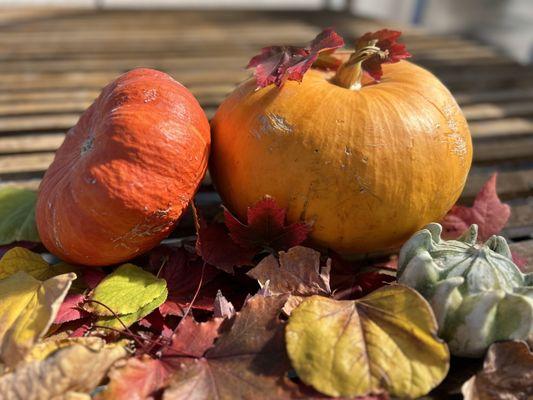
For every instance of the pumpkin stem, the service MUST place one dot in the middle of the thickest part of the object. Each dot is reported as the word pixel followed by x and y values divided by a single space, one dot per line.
pixel 350 74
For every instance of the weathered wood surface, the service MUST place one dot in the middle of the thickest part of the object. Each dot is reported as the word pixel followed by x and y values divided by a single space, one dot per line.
pixel 53 63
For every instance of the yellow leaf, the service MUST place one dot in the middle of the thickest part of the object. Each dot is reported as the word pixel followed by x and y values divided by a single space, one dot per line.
pixel 27 309
pixel 50 345
pixel 21 259
pixel 384 341
pixel 77 368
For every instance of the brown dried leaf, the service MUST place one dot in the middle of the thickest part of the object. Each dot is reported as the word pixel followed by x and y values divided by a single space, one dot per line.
pixel 222 307
pixel 248 360
pixel 507 374
pixel 77 368
pixel 140 378
pixel 297 272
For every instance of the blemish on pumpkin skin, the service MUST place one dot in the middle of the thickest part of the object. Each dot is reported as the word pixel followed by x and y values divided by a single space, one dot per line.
pixel 87 145
pixel 149 95
pixel 364 187
pixel 144 229
pixel 458 143
pixel 55 233
pixel 271 123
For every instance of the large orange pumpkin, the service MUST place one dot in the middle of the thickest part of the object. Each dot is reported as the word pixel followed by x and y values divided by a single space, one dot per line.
pixel 125 172
pixel 369 162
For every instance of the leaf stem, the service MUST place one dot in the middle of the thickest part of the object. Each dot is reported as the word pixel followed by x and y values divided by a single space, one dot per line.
pixel 115 315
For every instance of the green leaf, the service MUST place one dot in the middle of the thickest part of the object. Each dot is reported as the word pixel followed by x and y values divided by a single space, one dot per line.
pixel 384 341
pixel 17 215
pixel 130 292
pixel 130 319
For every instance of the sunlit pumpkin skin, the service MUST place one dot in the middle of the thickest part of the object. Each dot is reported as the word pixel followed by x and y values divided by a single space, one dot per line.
pixel 369 167
pixel 125 172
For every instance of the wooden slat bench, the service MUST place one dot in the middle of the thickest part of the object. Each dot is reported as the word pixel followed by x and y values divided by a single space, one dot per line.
pixel 53 63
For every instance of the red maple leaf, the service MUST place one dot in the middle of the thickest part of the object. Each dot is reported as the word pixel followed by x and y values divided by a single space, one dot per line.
pixel 488 212
pixel 217 248
pixel 155 321
pixel 92 276
pixel 355 279
pixel 277 64
pixel 70 309
pixel 266 227
pixel 183 273
pixel 81 329
pixel 390 50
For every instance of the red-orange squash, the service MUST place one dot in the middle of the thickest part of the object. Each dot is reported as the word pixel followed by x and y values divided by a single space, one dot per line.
pixel 125 172
pixel 369 164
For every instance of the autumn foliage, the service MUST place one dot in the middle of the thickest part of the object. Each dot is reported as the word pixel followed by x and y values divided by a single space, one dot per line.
pixel 253 305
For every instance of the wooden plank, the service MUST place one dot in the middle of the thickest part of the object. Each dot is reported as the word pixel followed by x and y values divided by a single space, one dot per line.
pixel 37 97
pixel 37 109
pixel 502 95
pixel 51 122
pixel 482 111
pixel 208 93
pixel 98 80
pixel 520 223
pixel 28 183
pixel 501 127
pixel 43 142
pixel 183 63
pixel 33 108
pixel 124 47
pixel 511 184
pixel 281 32
pixel 503 148
pixel 35 162
pixel 235 59
pixel 38 123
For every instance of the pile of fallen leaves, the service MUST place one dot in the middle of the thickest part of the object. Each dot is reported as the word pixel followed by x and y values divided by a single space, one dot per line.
pixel 243 310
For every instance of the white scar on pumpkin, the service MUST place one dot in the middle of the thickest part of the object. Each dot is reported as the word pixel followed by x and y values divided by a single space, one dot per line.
pixel 271 123
pixel 149 95
pixel 456 139
pixel 144 229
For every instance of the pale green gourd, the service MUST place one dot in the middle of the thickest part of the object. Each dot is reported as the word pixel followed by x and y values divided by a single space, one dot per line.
pixel 477 293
